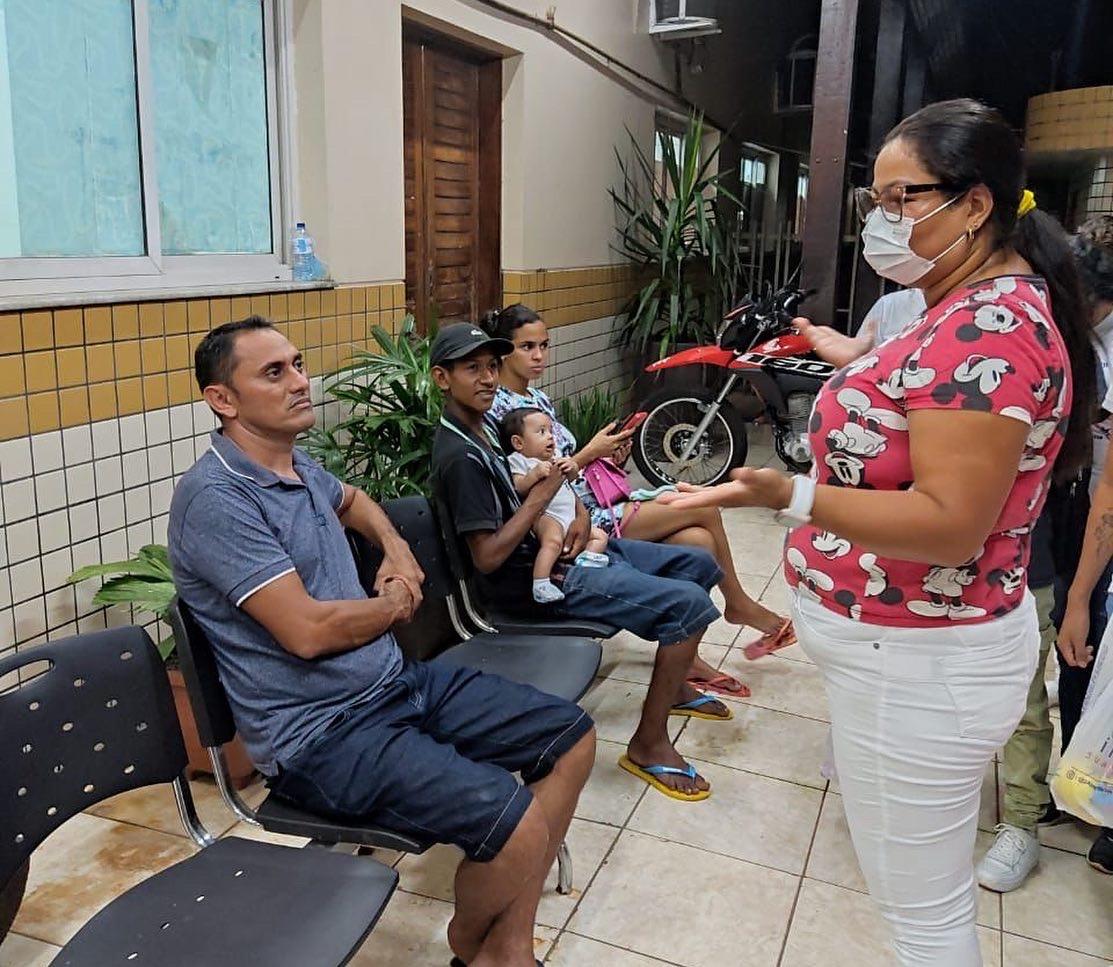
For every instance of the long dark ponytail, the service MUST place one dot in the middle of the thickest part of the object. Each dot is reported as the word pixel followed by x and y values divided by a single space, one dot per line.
pixel 965 143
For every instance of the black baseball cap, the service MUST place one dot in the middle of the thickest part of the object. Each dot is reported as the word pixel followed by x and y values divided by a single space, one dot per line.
pixel 462 339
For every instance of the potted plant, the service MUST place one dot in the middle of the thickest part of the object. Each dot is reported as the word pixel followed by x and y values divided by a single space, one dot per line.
pixel 145 583
pixel 676 224
pixel 385 445
pixel 588 413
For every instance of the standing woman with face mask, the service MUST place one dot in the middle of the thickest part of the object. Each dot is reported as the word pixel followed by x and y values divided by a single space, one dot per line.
pixel 910 538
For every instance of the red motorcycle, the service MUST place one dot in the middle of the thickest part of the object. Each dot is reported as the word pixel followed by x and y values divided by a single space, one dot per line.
pixel 760 367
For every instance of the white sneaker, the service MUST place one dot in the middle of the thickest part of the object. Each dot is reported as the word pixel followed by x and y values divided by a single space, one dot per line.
pixel 1007 863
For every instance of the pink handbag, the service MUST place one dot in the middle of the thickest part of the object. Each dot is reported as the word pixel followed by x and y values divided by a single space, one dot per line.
pixel 609 485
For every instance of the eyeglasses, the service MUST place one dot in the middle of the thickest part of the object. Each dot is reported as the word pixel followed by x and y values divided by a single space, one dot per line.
pixel 891 200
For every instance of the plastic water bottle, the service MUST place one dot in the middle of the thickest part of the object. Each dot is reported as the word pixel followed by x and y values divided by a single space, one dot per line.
pixel 304 262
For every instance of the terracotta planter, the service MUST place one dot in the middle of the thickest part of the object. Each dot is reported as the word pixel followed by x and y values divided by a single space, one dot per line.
pixel 240 768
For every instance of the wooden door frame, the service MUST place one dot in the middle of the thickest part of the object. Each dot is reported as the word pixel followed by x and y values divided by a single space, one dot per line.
pixel 488 267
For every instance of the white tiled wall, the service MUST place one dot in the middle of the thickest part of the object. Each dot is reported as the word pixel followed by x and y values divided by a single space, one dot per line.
pixel 86 495
pixel 1101 188
pixel 584 355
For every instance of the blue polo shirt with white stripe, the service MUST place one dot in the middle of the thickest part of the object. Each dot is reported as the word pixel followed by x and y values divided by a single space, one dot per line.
pixel 234 528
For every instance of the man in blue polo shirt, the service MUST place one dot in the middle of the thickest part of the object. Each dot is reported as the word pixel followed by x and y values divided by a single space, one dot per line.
pixel 330 711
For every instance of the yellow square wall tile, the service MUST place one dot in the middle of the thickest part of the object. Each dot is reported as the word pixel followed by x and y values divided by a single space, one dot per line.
pixel 127 358
pixel 328 302
pixel 175 317
pixel 11 376
pixel 129 396
pixel 98 324
pixel 220 312
pixel 155 394
pixel 151 322
pixel 71 366
pixel 312 333
pixel 283 328
pixel 359 326
pixel 153 354
pixel 241 307
pixel 38 330
pixel 399 294
pixel 329 329
pixel 297 333
pixel 374 298
pixel 68 328
pixel 125 322
pixel 11 333
pixel 177 353
pixel 195 341
pixel 42 412
pixel 343 301
pixel 261 306
pixel 344 329
pixel 279 307
pixel 329 356
pixel 100 363
pixel 359 299
pixel 312 361
pixel 40 371
pixel 296 301
pixel 13 418
pixel 198 314
pixel 313 305
pixel 102 401
pixel 180 387
pixel 74 405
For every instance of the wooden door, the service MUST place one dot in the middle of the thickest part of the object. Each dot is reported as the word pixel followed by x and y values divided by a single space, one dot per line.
pixel 451 114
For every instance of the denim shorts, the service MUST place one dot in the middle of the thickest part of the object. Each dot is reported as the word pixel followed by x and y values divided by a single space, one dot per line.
pixel 433 756
pixel 656 591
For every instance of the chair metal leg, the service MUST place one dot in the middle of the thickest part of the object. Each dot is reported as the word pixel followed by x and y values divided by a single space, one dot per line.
pixel 564 870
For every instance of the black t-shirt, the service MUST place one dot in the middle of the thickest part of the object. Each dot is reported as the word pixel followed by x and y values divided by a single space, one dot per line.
pixel 472 480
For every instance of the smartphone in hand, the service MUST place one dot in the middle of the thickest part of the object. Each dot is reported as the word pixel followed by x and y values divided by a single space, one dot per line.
pixel 632 422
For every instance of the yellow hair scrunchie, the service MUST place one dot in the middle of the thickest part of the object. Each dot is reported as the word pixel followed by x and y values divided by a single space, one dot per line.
pixel 1027 203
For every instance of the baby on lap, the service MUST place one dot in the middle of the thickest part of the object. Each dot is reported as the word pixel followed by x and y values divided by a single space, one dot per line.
pixel 527 438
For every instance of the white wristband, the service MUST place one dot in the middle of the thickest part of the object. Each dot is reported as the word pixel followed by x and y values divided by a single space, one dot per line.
pixel 799 509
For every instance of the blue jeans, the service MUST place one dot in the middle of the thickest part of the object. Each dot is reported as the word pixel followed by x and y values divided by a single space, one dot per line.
pixel 656 591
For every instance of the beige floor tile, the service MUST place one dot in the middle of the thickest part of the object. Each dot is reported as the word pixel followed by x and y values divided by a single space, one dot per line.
pixel 630 659
pixel 749 817
pixel 833 861
pixel 432 873
pixel 20 951
pixel 412 933
pixel 611 793
pixel 833 927
pixel 778 595
pixel 154 808
pixel 780 684
pixel 761 740
pixel 651 895
pixel 737 516
pixel 85 864
pixel 1073 837
pixel 574 951
pixel 1022 952
pixel 248 831
pixel 757 548
pixel 1066 903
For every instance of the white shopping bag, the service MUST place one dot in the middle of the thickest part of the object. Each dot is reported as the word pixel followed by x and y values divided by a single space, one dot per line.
pixel 1083 783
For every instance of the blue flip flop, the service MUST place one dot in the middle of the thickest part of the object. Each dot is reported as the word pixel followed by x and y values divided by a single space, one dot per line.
pixel 692 709
pixel 649 774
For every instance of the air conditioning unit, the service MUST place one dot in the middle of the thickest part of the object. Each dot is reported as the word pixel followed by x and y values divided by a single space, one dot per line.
pixel 682 19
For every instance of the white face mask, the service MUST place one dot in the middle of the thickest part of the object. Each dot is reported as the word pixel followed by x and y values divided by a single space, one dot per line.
pixel 886 246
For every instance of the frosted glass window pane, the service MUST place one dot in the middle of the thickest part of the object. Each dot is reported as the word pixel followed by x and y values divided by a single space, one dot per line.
pixel 210 111
pixel 69 141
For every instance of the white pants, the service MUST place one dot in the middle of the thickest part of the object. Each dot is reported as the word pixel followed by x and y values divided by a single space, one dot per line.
pixel 916 716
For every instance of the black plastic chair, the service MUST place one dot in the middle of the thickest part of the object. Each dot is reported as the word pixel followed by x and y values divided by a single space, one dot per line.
pixel 93 716
pixel 487 616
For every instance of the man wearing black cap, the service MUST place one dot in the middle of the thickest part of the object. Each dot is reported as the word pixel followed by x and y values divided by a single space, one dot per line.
pixel 333 715
pixel 656 591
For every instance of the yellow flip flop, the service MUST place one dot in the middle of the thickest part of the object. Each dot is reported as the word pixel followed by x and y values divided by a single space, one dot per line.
pixel 648 775
pixel 692 709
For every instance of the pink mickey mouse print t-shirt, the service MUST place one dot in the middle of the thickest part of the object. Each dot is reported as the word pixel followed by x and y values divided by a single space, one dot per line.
pixel 992 347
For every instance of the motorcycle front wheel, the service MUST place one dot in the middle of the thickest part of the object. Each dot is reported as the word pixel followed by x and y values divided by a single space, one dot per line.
pixel 674 416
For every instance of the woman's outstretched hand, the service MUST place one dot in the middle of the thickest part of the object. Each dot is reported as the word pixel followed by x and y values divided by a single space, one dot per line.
pixel 830 344
pixel 747 487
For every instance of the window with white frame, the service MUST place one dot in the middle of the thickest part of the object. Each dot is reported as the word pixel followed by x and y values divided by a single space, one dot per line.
pixel 138 139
